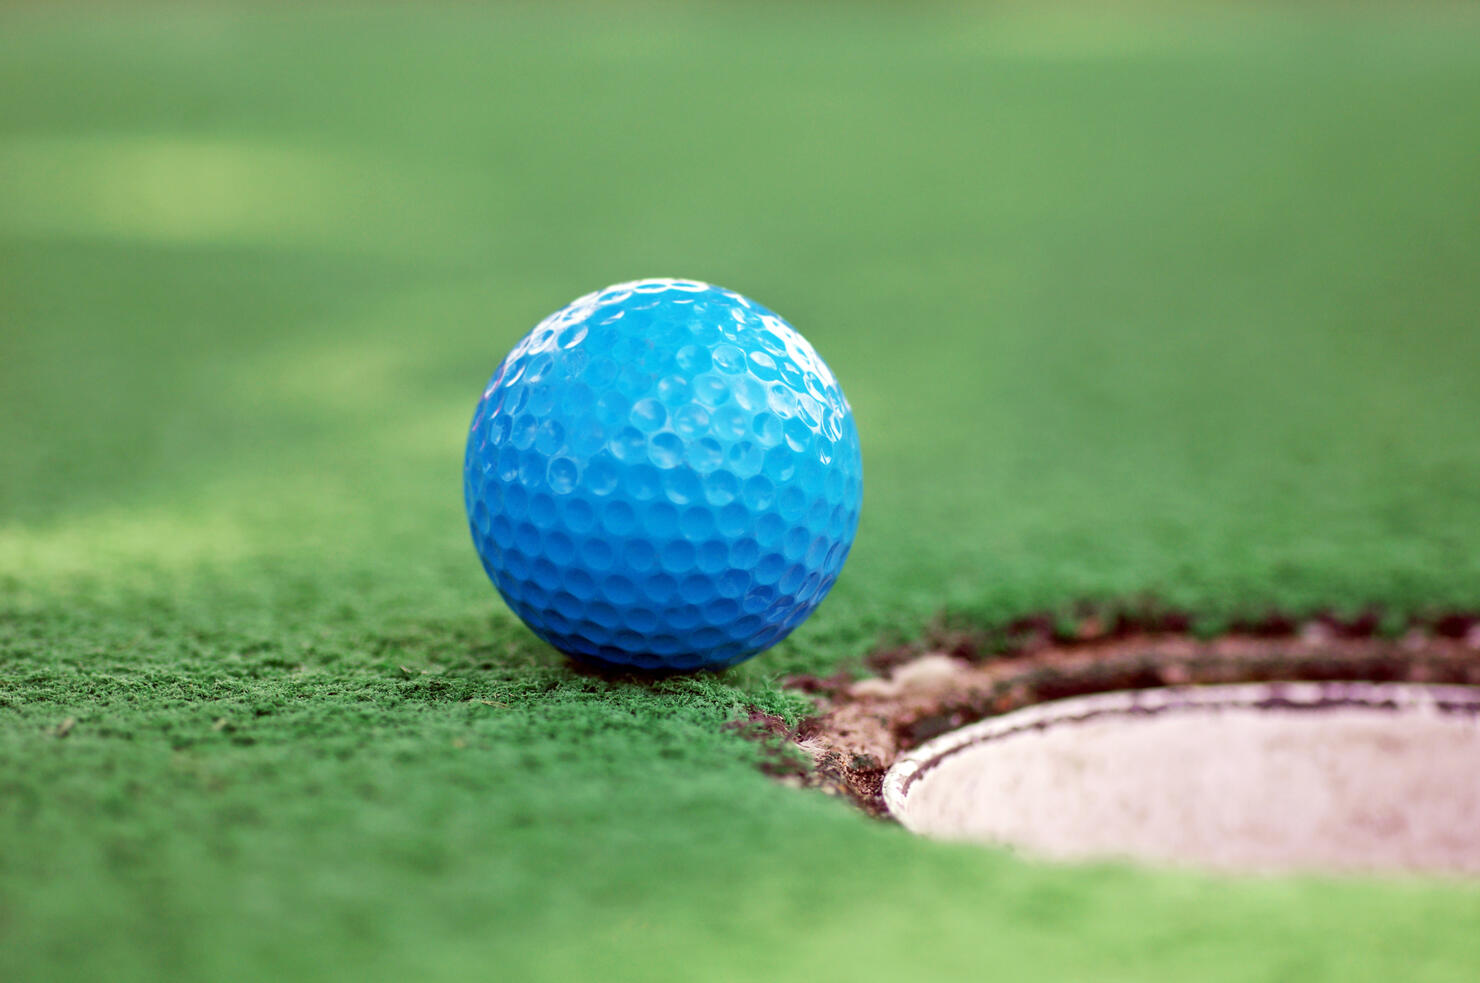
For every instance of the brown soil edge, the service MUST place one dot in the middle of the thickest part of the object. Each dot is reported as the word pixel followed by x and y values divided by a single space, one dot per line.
pixel 956 676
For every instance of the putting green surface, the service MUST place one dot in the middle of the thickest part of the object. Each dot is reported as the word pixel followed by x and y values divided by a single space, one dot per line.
pixel 1135 304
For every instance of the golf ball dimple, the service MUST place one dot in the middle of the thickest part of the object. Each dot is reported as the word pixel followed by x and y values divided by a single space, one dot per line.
pixel 663 475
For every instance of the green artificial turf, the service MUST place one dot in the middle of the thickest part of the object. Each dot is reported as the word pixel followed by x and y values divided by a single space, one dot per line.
pixel 1141 303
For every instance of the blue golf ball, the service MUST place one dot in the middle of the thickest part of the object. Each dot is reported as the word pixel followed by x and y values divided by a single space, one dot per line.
pixel 663 475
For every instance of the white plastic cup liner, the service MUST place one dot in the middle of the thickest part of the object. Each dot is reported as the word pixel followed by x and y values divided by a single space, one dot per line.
pixel 1259 777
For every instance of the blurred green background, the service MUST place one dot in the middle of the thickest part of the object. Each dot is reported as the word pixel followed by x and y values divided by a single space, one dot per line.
pixel 1152 300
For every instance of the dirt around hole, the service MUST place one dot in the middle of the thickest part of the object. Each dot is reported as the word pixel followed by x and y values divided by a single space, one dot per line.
pixel 956 678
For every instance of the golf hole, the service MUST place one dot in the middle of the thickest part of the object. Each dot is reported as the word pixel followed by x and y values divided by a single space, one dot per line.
pixel 1340 777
